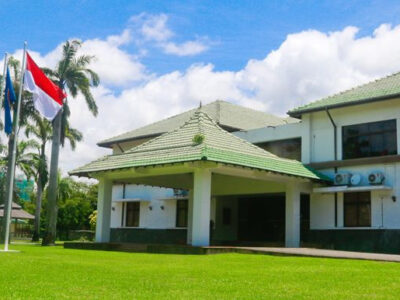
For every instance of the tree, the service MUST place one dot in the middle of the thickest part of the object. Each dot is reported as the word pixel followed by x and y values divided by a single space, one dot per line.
pixel 25 160
pixel 41 129
pixel 93 220
pixel 72 72
pixel 76 202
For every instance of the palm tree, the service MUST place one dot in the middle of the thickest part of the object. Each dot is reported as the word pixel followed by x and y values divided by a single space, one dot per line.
pixel 65 187
pixel 41 129
pixel 72 72
pixel 25 160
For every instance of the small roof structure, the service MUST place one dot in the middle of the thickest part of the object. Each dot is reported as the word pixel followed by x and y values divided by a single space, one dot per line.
pixel 229 116
pixel 381 89
pixel 16 212
pixel 199 139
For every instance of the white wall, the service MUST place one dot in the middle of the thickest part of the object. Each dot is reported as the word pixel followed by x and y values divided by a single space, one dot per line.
pixel 385 213
pixel 317 135
pixel 149 218
pixel 322 131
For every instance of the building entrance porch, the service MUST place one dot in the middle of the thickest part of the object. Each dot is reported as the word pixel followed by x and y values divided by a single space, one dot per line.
pixel 257 220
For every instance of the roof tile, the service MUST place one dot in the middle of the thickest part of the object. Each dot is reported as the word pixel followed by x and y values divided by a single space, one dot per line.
pixel 374 90
pixel 224 113
pixel 217 145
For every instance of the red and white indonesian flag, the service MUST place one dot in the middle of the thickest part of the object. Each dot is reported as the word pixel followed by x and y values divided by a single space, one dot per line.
pixel 47 97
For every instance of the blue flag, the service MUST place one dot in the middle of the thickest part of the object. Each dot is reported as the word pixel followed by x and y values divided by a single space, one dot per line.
pixel 9 98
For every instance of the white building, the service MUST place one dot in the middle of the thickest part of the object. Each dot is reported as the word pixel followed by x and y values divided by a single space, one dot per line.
pixel 351 136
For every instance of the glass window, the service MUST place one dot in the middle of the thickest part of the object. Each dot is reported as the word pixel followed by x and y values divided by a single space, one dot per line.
pixel 357 209
pixel 369 139
pixel 290 148
pixel 132 214
pixel 181 213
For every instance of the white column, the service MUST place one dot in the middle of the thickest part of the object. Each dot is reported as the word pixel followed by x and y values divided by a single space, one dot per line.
pixel 306 139
pixel 103 211
pixel 398 135
pixel 190 218
pixel 292 235
pixel 201 207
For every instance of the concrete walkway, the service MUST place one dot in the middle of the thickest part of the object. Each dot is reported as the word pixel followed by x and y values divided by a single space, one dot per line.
pixel 185 249
pixel 312 252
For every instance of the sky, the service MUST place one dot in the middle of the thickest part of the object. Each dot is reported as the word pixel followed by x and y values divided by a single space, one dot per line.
pixel 159 58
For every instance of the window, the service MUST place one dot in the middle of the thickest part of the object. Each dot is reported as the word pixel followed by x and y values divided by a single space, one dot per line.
pixel 132 214
pixel 369 139
pixel 226 216
pixel 289 148
pixel 181 213
pixel 357 209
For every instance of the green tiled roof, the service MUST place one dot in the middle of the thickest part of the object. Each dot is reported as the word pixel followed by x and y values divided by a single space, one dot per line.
pixel 383 88
pixel 217 145
pixel 226 114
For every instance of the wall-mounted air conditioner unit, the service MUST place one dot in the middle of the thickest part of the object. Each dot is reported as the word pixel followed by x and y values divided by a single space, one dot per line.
pixel 355 179
pixel 376 178
pixel 342 179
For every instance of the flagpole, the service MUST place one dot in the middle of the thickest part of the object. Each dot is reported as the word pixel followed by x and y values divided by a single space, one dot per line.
pixel 12 158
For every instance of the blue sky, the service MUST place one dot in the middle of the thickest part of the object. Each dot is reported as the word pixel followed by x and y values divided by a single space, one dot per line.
pixel 238 30
pixel 159 58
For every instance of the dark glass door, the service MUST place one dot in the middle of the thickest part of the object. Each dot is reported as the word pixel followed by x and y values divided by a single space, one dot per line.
pixel 262 218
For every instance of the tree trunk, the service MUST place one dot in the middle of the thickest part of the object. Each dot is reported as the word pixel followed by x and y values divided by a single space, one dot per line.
pixel 39 193
pixel 52 209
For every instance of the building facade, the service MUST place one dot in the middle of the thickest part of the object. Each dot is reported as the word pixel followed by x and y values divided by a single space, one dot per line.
pixel 354 141
pixel 351 138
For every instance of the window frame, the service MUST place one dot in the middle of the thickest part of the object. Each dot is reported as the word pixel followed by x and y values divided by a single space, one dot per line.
pixel 356 200
pixel 368 137
pixel 179 209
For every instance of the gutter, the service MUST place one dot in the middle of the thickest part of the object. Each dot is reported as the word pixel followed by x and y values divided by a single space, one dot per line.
pixel 334 134
pixel 335 157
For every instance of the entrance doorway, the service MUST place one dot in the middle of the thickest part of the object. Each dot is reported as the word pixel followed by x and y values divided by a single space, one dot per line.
pixel 262 218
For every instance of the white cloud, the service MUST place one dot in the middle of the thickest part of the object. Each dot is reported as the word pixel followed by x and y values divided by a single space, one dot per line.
pixel 118 40
pixel 154 28
pixel 186 48
pixel 114 65
pixel 308 65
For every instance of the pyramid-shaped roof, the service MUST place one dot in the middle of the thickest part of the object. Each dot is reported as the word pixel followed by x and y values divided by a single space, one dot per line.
pixel 380 89
pixel 199 139
pixel 225 114
pixel 16 212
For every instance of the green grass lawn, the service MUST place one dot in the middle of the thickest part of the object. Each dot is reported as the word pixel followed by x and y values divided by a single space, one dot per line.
pixel 55 272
